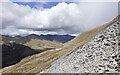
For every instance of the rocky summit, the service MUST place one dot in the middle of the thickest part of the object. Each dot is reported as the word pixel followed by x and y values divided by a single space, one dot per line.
pixel 100 55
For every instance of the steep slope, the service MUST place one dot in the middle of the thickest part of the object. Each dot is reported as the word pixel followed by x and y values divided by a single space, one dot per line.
pixel 13 52
pixel 98 55
pixel 42 61
pixel 88 35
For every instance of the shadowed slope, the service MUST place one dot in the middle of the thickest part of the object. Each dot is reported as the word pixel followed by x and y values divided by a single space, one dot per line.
pixel 13 52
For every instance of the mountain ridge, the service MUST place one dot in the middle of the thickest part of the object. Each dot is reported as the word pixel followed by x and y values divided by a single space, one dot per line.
pixel 59 38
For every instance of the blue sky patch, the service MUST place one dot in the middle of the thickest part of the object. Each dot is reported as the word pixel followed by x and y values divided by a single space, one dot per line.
pixel 44 5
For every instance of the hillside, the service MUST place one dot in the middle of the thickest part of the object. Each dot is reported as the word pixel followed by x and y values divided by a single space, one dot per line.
pixel 25 39
pixel 13 52
pixel 36 42
pixel 42 45
pixel 42 61
pixel 100 55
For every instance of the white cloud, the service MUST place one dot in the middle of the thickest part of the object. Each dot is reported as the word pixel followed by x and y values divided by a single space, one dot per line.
pixel 64 18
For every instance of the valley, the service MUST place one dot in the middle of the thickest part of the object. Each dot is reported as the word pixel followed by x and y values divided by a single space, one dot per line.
pixel 14 50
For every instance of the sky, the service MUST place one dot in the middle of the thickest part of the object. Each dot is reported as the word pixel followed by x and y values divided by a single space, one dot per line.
pixel 24 18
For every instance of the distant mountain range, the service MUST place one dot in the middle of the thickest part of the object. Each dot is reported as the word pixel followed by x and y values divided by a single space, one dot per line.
pixel 25 39
pixel 59 38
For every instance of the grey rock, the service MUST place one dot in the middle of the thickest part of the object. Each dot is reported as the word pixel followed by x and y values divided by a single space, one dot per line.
pixel 99 55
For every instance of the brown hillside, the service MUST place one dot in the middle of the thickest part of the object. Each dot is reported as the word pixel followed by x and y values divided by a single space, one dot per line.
pixel 38 44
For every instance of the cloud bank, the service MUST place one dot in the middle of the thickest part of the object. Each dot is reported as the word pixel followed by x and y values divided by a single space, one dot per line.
pixel 63 18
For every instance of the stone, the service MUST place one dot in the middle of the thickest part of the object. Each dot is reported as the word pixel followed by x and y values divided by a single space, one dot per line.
pixel 98 55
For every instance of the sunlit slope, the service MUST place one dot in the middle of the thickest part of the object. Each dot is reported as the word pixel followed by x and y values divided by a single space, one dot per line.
pixel 4 40
pixel 38 44
pixel 42 61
